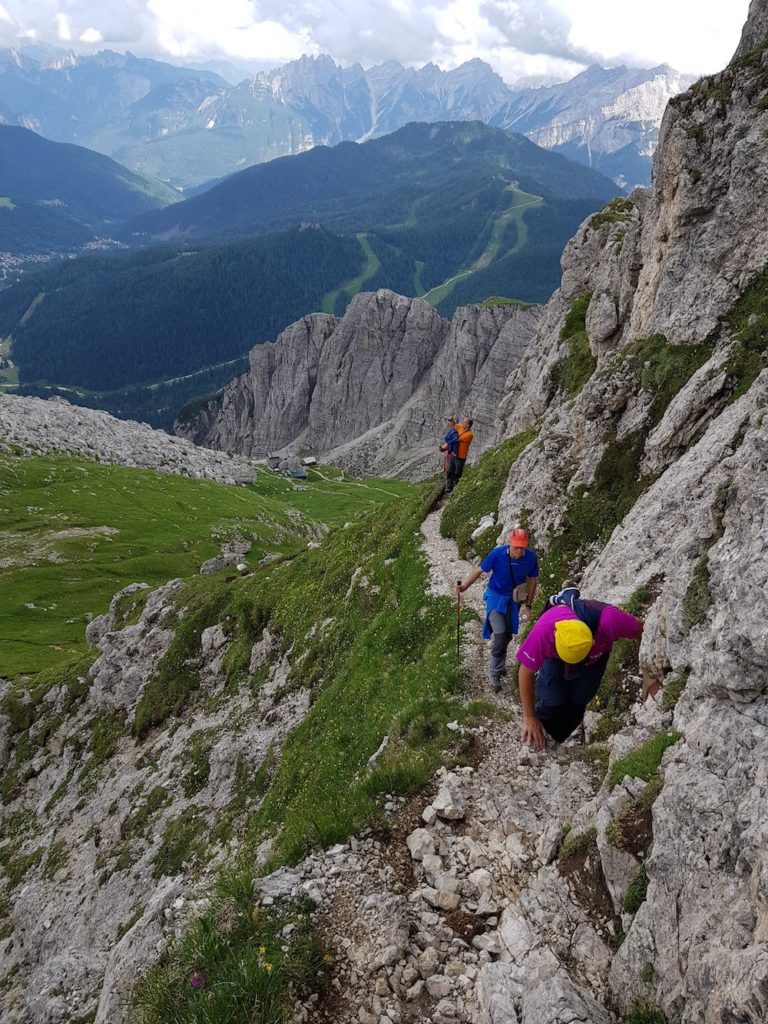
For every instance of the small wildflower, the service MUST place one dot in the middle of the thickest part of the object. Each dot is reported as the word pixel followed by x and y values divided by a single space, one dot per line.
pixel 268 968
pixel 262 950
pixel 256 913
pixel 196 980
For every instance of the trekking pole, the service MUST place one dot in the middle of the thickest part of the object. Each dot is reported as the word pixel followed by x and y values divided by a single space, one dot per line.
pixel 458 625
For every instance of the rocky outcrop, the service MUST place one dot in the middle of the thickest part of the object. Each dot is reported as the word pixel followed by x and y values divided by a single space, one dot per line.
pixel 35 425
pixel 648 476
pixel 370 391
pixel 114 833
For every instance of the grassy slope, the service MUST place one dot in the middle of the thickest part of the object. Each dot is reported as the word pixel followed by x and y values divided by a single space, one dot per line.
pixel 165 526
pixel 377 652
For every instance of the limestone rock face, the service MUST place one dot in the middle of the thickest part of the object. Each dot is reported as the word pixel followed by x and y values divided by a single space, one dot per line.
pixel 85 924
pixel 686 521
pixel 370 391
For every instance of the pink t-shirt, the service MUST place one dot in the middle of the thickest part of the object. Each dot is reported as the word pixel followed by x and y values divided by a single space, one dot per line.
pixel 540 642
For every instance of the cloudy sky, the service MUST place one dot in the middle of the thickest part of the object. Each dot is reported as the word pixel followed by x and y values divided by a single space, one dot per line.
pixel 518 37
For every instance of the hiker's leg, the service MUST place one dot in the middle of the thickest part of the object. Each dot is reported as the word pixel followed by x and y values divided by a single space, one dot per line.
pixel 553 700
pixel 453 474
pixel 459 469
pixel 560 720
pixel 499 644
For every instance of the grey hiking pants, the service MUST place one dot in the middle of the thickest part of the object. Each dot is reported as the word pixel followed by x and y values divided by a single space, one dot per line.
pixel 502 634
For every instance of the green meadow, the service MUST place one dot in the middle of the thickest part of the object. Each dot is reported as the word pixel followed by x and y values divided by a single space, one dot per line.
pixel 73 532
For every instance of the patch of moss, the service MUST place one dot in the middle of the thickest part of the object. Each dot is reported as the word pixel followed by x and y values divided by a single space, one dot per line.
pixel 576 317
pixel 60 792
pixel 197 757
pixel 16 864
pixel 126 926
pixel 107 728
pixel 135 825
pixel 478 494
pixel 672 690
pixel 498 300
pixel 748 321
pixel 181 843
pixel 572 373
pixel 698 597
pixel 594 512
pixel 177 677
pixel 619 209
pixel 643 762
pixel 664 369
pixel 129 608
pixel 636 892
pixel 56 859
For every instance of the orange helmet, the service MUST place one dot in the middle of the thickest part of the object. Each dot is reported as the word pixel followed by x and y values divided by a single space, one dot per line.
pixel 518 538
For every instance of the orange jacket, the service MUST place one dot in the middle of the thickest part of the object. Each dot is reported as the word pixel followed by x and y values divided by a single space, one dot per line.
pixel 465 440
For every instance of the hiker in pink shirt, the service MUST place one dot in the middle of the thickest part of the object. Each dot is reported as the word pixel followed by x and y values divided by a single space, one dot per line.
pixel 563 660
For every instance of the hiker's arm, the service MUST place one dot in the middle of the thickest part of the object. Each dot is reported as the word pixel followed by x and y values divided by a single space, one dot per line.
pixel 475 574
pixel 531 731
pixel 533 583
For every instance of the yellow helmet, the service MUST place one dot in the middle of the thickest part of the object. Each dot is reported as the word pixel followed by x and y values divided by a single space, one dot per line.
pixel 573 640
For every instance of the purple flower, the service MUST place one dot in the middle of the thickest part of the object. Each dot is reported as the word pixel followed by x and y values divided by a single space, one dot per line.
pixel 197 980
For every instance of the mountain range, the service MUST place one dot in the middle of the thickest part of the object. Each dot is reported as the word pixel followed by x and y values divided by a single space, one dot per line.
pixel 188 126
pixel 453 212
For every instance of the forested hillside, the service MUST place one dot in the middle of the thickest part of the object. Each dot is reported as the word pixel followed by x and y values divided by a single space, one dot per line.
pixel 416 174
pixel 57 197
pixel 106 323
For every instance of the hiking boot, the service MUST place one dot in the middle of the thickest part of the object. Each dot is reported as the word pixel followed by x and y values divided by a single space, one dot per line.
pixel 496 684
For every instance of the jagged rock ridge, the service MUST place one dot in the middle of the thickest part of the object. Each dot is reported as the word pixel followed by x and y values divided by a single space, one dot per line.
pixel 36 425
pixel 152 116
pixel 370 391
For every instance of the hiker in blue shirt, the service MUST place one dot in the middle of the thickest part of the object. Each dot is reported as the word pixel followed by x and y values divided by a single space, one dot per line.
pixel 450 445
pixel 514 571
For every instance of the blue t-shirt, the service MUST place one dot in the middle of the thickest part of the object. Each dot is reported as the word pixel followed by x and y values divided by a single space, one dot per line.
pixel 508 573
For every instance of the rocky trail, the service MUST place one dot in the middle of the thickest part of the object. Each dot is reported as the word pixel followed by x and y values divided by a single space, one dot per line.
pixel 441 916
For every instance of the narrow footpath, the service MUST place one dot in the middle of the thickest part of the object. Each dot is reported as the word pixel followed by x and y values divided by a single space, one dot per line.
pixel 444 918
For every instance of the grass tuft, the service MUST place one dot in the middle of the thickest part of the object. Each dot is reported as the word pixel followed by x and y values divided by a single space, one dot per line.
pixel 644 1013
pixel 636 892
pixel 698 598
pixel 239 964
pixel 643 762
pixel 572 373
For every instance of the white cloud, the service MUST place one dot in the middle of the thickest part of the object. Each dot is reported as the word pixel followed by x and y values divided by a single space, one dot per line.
pixel 64 30
pixel 691 36
pixel 518 37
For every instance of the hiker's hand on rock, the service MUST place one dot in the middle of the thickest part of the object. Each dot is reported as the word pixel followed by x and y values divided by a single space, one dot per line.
pixel 525 613
pixel 532 733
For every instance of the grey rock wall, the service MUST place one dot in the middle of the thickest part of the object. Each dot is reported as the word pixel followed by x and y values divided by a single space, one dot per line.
pixel 371 391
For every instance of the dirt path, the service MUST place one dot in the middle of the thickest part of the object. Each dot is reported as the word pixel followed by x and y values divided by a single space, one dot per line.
pixel 445 568
pixel 418 919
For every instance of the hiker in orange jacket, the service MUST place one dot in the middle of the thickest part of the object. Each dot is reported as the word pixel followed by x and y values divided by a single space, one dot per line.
pixel 456 462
